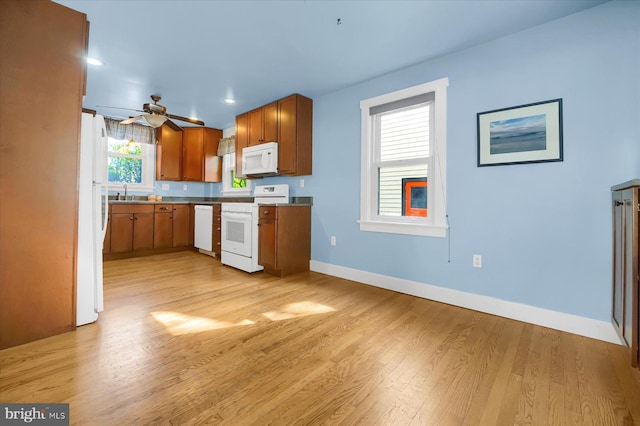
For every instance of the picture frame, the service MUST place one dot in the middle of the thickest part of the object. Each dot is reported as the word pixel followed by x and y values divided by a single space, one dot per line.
pixel 530 133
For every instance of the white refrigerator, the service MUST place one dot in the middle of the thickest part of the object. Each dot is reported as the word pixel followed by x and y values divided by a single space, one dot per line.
pixel 92 219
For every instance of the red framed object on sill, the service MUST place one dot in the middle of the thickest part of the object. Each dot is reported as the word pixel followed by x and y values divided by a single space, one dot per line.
pixel 414 197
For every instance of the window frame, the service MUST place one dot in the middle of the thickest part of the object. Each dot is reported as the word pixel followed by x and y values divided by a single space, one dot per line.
pixel 228 163
pixel 148 168
pixel 435 225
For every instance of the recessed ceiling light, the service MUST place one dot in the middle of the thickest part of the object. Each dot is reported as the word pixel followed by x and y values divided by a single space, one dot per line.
pixel 94 61
pixel 230 100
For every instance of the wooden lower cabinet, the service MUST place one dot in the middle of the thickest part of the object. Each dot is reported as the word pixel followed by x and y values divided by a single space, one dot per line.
pixel 140 229
pixel 180 225
pixel 131 227
pixel 163 226
pixel 217 231
pixel 284 239
pixel 626 264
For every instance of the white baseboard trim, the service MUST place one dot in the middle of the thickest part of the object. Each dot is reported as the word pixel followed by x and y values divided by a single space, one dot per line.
pixel 582 326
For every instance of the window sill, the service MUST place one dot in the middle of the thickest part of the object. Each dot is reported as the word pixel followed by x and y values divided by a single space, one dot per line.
pixel 430 230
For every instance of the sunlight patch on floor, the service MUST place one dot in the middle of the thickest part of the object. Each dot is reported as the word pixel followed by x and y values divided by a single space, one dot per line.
pixel 178 324
pixel 298 309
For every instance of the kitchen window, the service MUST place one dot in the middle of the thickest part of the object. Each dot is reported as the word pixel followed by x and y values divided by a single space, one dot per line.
pixel 129 162
pixel 403 174
pixel 232 185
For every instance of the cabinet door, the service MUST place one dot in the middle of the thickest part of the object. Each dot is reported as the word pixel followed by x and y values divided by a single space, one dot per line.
pixel 169 154
pixel 142 231
pixel 270 122
pixel 255 126
pixel 192 222
pixel 192 149
pixel 242 140
pixel 267 243
pixel 121 232
pixel 618 262
pixel 212 163
pixel 180 225
pixel 163 230
pixel 295 115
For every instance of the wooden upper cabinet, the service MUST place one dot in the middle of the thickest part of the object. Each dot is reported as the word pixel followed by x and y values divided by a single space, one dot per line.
pixel 242 140
pixel 169 154
pixel 192 146
pixel 200 160
pixel 294 135
pixel 212 163
pixel 263 124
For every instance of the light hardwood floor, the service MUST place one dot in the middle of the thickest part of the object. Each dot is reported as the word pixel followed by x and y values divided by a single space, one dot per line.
pixel 184 340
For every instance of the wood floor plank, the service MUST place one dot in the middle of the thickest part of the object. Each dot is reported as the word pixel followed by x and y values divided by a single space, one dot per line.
pixel 185 340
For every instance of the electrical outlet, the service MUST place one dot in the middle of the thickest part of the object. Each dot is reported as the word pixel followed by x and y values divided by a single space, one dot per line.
pixel 184 186
pixel 165 186
pixel 333 240
pixel 301 183
pixel 477 261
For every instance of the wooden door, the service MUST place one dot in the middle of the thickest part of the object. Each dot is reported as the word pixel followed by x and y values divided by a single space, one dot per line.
pixel 142 231
pixel 180 225
pixel 163 229
pixel 121 232
pixel 242 140
pixel 270 122
pixel 267 243
pixel 169 154
pixel 42 51
pixel 255 126
pixel 192 150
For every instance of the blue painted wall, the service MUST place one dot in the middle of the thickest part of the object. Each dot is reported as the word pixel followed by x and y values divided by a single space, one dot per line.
pixel 544 230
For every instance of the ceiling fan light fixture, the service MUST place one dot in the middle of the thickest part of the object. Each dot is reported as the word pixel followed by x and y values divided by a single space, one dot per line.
pixel 155 120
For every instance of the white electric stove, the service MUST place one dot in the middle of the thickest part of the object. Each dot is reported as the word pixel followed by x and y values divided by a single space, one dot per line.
pixel 239 243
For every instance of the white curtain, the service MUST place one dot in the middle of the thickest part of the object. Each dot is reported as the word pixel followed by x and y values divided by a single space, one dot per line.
pixel 227 146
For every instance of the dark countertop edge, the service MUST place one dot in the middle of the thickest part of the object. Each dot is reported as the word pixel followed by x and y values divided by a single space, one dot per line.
pixel 308 201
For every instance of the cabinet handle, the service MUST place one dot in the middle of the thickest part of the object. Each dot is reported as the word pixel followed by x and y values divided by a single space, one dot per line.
pixel 131 218
pixel 218 244
pixel 135 218
pixel 219 229
pixel 618 203
pixel 266 212
pixel 164 208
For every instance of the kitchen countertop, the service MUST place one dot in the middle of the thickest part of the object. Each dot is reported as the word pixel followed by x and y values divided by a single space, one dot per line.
pixel 295 201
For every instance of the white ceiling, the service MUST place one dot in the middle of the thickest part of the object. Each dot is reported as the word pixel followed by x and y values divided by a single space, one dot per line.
pixel 195 53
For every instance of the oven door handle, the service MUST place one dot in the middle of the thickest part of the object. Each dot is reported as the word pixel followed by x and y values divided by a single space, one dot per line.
pixel 245 217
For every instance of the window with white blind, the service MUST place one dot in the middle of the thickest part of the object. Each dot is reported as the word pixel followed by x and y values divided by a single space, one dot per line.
pixel 403 179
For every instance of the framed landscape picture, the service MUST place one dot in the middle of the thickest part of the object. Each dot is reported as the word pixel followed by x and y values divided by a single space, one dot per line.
pixel 529 133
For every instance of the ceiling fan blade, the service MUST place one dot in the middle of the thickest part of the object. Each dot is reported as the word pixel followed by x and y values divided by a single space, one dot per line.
pixel 173 125
pixel 125 109
pixel 131 120
pixel 187 119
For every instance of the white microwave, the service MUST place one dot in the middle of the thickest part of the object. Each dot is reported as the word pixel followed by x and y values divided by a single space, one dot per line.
pixel 260 160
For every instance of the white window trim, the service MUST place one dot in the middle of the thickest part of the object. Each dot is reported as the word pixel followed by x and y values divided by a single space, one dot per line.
pixel 228 162
pixel 148 158
pixel 436 224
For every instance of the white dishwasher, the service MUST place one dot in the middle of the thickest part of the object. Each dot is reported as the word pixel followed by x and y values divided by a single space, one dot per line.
pixel 203 229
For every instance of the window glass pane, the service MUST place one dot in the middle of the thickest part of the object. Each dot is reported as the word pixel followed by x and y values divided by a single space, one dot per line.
pixel 404 133
pixel 392 181
pixel 124 147
pixel 125 170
